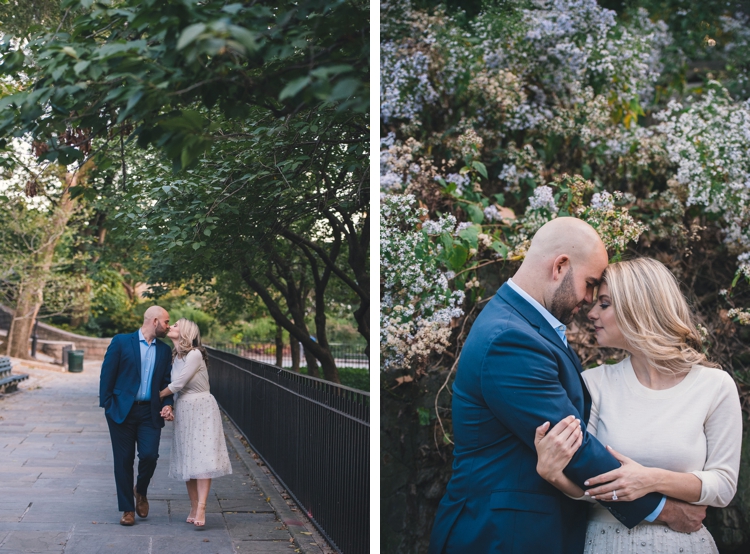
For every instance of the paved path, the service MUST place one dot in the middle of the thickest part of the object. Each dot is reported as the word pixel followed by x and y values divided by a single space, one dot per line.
pixel 57 490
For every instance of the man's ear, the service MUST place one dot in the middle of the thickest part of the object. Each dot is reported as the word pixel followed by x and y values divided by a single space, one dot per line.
pixel 560 265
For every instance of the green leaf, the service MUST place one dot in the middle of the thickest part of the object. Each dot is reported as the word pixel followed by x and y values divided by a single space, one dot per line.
pixel 424 416
pixel 500 248
pixel 294 87
pixel 70 52
pixel 81 66
pixel 475 214
pixel 196 245
pixel 479 166
pixel 207 232
pixel 458 257
pixel 232 8
pixel 344 89
pixel 244 37
pixel 470 235
pixel 189 34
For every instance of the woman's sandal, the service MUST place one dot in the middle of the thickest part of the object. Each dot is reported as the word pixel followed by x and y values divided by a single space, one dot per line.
pixel 198 522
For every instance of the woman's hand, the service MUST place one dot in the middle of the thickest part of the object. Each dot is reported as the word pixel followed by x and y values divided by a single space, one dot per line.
pixel 555 449
pixel 630 481
pixel 167 413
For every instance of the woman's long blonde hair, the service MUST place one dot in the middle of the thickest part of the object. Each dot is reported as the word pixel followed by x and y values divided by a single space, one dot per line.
pixel 654 316
pixel 189 339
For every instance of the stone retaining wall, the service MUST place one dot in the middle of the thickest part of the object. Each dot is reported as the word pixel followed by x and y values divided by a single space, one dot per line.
pixel 94 348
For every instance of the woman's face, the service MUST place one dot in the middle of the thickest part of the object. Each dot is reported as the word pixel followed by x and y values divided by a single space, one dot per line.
pixel 174 332
pixel 602 315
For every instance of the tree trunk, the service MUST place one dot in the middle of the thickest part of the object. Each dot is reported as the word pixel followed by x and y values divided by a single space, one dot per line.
pixel 279 345
pixel 312 364
pixel 294 345
pixel 296 329
pixel 27 307
pixel 31 292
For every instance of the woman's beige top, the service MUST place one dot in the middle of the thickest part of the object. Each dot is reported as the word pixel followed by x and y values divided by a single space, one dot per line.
pixel 189 374
pixel 694 427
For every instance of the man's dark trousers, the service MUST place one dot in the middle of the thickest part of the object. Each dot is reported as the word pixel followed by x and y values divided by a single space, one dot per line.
pixel 137 429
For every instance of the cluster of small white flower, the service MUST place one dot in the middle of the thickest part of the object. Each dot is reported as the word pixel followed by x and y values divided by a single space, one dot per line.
pixel 708 141
pixel 603 201
pixel 543 199
pixel 405 86
pixel 417 304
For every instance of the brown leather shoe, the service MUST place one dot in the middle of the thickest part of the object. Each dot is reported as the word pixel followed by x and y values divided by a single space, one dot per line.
pixel 128 518
pixel 141 504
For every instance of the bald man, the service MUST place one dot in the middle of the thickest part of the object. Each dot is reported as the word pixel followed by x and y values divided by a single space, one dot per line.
pixel 135 368
pixel 516 372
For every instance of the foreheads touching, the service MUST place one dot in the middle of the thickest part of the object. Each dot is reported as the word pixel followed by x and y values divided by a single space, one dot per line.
pixel 563 266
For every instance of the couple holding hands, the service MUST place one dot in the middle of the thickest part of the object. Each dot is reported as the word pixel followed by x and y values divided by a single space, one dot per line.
pixel 143 384
pixel 620 458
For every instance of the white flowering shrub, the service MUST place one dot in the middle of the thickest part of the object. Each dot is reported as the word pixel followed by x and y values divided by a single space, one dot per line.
pixel 553 108
pixel 417 305
pixel 708 140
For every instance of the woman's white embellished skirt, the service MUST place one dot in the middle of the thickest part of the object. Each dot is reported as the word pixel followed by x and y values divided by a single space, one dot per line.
pixel 199 450
pixel 612 537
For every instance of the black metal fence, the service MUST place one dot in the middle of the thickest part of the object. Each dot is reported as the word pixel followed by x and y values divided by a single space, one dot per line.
pixel 314 436
pixel 346 355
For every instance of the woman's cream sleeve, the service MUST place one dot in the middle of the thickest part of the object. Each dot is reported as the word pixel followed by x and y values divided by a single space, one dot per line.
pixel 723 429
pixel 191 367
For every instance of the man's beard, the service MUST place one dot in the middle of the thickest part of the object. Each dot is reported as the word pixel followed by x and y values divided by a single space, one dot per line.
pixel 161 332
pixel 564 301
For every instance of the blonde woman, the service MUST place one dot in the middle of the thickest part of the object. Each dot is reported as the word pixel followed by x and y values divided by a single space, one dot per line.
pixel 676 415
pixel 199 452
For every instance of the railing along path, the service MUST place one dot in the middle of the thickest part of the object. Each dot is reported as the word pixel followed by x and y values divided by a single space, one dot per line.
pixel 313 435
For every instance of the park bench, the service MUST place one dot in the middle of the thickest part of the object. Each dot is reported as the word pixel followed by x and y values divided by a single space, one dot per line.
pixel 9 382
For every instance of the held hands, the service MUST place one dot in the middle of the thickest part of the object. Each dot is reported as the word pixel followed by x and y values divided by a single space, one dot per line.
pixel 167 414
pixel 630 481
pixel 555 449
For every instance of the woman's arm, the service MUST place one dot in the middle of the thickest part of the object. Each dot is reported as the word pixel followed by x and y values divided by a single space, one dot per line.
pixel 632 481
pixel 165 392
pixel 192 365
pixel 554 451
pixel 715 485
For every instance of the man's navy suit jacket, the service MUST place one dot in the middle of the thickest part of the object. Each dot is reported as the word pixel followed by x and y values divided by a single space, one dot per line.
pixel 514 374
pixel 121 378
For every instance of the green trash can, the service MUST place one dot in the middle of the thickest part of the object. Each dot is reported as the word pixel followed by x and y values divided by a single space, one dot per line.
pixel 75 361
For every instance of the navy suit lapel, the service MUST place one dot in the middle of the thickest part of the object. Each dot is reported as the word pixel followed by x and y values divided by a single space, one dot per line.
pixel 532 315
pixel 136 354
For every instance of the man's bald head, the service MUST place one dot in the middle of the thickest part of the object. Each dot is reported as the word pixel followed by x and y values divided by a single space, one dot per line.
pixel 566 235
pixel 563 265
pixel 155 323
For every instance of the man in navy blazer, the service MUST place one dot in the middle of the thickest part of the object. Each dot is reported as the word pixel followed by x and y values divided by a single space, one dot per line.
pixel 517 371
pixel 136 367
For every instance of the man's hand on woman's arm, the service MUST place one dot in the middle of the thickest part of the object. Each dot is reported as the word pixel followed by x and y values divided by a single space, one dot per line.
pixel 681 516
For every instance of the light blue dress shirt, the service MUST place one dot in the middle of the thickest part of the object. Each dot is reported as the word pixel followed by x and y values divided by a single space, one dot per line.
pixel 560 328
pixel 148 359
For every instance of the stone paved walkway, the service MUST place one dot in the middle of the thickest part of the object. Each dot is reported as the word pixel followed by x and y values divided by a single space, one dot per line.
pixel 57 490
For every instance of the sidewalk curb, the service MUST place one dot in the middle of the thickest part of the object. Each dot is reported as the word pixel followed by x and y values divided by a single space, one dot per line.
pixel 292 520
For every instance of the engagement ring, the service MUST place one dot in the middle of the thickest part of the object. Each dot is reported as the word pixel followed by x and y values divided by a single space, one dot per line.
pixel 614 495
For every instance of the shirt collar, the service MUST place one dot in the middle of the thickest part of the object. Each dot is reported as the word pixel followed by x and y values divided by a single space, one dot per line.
pixel 552 320
pixel 143 339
